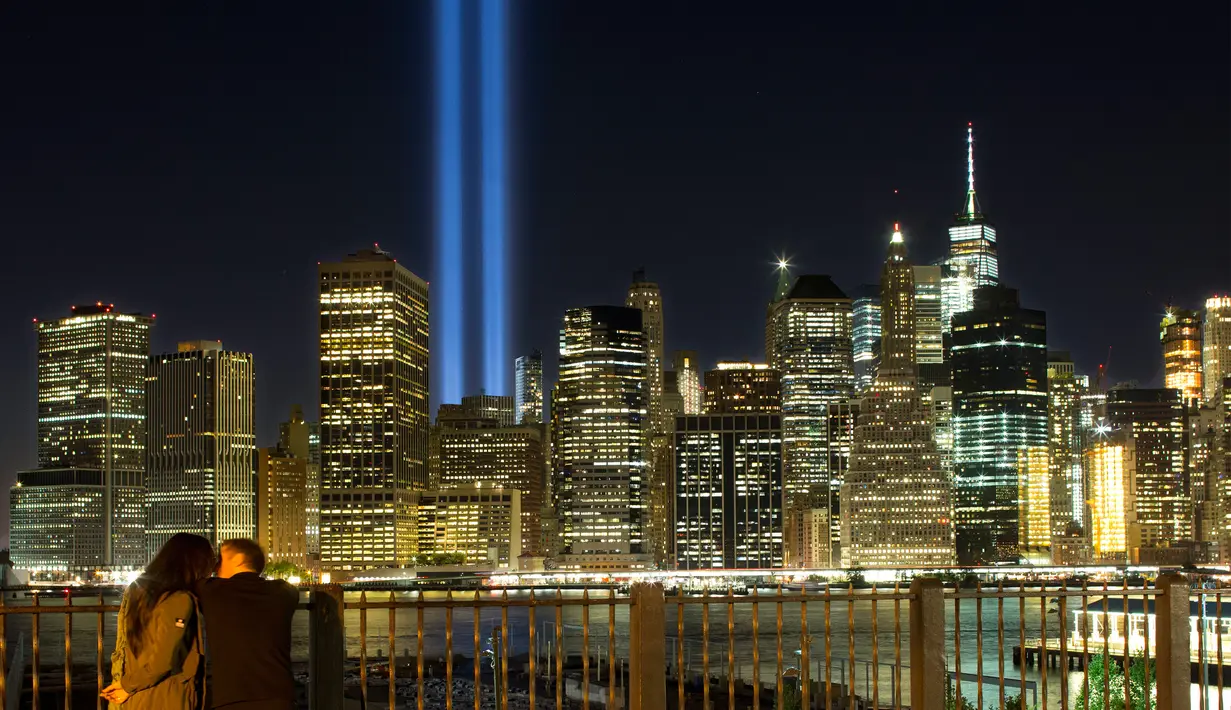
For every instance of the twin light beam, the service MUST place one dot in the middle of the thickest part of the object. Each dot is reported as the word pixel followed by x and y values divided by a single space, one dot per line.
pixel 449 302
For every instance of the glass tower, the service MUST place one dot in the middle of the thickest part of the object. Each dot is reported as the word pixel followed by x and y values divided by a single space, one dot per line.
pixel 866 335
pixel 1216 347
pixel 1180 334
pixel 972 262
pixel 528 388
pixel 374 410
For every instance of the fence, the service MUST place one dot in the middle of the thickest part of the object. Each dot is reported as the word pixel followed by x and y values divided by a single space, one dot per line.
pixel 766 649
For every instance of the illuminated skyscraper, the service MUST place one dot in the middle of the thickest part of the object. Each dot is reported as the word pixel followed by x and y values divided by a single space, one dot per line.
pixel 896 500
pixel 999 358
pixel 972 262
pixel 1216 348
pixel 1111 464
pixel 645 297
pixel 84 507
pixel 1034 503
pixel 1066 442
pixel 866 335
pixel 1180 333
pixel 480 522
pixel 528 384
pixel 929 312
pixel 282 506
pixel 374 410
pixel 601 417
pixel 808 338
pixel 201 444
pixel 302 439
pixel 728 491
pixel 737 387
pixel 688 379
pixel 1162 498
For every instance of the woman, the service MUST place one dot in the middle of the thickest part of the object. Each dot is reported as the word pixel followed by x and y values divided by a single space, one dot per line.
pixel 158 661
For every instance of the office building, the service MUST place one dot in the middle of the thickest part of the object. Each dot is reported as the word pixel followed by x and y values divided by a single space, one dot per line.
pixel 728 491
pixel 528 386
pixel 940 405
pixel 373 410
pixel 929 314
pixel 480 452
pixel 1034 517
pixel 1180 335
pixel 644 296
pixel 1111 465
pixel 807 538
pixel 1066 442
pixel 91 447
pixel 999 357
pixel 302 440
pixel 688 380
pixel 1162 510
pixel 600 422
pixel 201 444
pixel 489 406
pixel 972 261
pixel 808 340
pixel 483 523
pixel 1216 346
pixel 866 335
pixel 896 501
pixel 739 387
pixel 282 506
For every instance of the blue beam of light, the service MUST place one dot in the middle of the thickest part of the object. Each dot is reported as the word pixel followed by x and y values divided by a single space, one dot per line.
pixel 447 298
pixel 493 85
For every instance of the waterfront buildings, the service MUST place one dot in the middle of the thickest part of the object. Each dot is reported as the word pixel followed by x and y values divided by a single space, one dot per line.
pixel 728 491
pixel 373 409
pixel 866 335
pixel 1066 442
pixel 282 506
pixel 1162 497
pixel 737 387
pixel 808 336
pixel 999 357
pixel 481 522
pixel 83 509
pixel 896 501
pixel 972 261
pixel 200 444
pixel 599 426
pixel 528 388
pixel 1034 518
pixel 1180 334
pixel 1111 466
pixel 645 296
pixel 1216 346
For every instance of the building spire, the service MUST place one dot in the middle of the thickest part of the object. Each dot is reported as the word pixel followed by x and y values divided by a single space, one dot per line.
pixel 784 279
pixel 971 208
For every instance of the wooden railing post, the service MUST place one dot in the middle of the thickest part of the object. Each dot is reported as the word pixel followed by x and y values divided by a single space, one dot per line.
pixel 647 657
pixel 928 677
pixel 1171 619
pixel 327 647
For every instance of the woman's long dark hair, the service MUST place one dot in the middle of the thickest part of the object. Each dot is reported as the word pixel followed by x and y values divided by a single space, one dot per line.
pixel 183 561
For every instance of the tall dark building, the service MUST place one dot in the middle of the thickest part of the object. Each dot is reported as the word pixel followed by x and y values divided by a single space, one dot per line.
pixel 742 387
pixel 1160 509
pixel 999 358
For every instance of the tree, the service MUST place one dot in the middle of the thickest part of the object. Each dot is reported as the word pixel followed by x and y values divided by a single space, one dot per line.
pixel 283 569
pixel 1100 667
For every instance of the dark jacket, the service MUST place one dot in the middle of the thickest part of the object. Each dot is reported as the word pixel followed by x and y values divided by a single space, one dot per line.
pixel 170 672
pixel 248 638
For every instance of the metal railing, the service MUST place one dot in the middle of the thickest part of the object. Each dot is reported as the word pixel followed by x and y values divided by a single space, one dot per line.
pixel 924 647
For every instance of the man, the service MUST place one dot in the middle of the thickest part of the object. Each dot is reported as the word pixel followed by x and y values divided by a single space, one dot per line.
pixel 248 632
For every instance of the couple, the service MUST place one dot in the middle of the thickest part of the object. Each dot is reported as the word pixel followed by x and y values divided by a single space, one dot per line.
pixel 175 607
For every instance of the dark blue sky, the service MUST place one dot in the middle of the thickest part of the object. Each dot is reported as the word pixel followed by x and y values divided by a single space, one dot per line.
pixel 197 163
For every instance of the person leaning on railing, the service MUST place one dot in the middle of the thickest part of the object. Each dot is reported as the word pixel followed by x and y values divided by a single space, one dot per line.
pixel 159 661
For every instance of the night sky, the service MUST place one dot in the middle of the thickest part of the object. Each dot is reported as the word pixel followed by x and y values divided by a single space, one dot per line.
pixel 198 164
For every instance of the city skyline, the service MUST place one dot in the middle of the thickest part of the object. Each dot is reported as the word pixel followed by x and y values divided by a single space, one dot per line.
pixel 828 215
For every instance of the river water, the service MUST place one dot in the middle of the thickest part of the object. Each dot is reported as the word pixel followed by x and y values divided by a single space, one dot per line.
pixel 841 635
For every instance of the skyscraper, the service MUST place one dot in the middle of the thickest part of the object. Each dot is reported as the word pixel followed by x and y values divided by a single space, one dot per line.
pixel 736 387
pixel 281 505
pixel 201 444
pixel 1180 334
pixel 972 261
pixel 999 358
pixel 645 297
pixel 302 439
pixel 374 410
pixel 83 508
pixel 1111 463
pixel 728 491
pixel 1066 442
pixel 866 335
pixel 896 500
pixel 1216 347
pixel 601 412
pixel 688 379
pixel 808 341
pixel 929 314
pixel 1161 513
pixel 528 384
